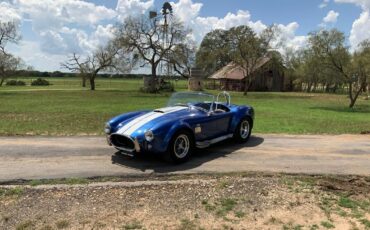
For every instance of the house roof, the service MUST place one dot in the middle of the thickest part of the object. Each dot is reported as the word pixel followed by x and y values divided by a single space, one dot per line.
pixel 236 72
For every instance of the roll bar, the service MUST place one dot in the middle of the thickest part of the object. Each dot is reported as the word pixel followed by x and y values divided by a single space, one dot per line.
pixel 226 95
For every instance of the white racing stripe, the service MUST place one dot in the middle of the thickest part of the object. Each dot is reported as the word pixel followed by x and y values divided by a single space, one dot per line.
pixel 135 124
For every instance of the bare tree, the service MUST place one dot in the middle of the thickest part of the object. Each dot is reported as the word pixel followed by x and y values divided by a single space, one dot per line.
pixel 103 59
pixel 149 42
pixel 8 34
pixel 8 63
pixel 183 59
pixel 76 65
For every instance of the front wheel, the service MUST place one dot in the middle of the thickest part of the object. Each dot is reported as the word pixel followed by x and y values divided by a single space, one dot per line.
pixel 243 130
pixel 180 148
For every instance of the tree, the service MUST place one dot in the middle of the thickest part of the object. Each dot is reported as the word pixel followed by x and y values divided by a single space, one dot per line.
pixel 329 48
pixel 183 59
pixel 103 59
pixel 150 43
pixel 8 66
pixel 8 63
pixel 240 45
pixel 214 52
pixel 361 65
pixel 292 61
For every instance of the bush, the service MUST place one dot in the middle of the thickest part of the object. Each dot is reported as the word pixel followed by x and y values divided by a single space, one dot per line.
pixel 167 87
pixel 40 82
pixel 15 83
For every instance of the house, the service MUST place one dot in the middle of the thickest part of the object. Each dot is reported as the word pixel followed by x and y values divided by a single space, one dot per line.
pixel 267 75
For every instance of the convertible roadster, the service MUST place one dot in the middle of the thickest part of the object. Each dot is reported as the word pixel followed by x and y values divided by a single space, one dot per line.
pixel 190 120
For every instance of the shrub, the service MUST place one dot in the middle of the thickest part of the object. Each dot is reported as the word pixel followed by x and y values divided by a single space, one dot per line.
pixel 15 83
pixel 40 82
pixel 167 87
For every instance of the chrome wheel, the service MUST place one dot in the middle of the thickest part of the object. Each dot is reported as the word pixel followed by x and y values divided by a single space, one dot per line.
pixel 244 129
pixel 181 146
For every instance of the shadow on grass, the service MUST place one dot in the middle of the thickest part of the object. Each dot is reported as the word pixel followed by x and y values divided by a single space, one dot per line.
pixel 155 163
pixel 345 109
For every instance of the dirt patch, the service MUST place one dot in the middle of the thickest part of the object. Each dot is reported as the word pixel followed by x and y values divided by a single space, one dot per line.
pixel 233 201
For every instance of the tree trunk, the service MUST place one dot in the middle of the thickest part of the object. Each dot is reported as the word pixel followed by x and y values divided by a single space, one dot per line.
pixel 246 86
pixel 151 85
pixel 84 81
pixel 92 83
pixel 309 87
pixel 2 81
pixel 352 98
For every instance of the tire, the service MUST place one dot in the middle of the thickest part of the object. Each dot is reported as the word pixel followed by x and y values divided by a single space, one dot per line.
pixel 180 147
pixel 243 130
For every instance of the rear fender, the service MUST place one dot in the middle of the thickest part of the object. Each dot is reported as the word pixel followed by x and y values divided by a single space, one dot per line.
pixel 241 113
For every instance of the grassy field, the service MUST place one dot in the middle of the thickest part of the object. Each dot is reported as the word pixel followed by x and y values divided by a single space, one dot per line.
pixel 66 109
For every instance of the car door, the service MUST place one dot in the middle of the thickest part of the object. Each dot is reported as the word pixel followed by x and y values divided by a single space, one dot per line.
pixel 212 125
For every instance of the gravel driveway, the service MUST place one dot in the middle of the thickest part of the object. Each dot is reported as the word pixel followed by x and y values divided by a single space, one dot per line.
pixel 60 157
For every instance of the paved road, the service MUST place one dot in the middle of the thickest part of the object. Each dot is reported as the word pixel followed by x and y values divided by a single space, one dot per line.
pixel 59 157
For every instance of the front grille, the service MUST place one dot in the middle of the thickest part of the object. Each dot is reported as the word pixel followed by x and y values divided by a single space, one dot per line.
pixel 121 141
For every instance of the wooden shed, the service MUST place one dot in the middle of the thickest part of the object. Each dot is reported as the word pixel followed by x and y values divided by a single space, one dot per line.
pixel 267 75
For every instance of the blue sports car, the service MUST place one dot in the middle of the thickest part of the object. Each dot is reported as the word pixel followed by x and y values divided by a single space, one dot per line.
pixel 190 120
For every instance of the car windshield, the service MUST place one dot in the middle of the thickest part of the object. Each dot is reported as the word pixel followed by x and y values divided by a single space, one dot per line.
pixel 202 101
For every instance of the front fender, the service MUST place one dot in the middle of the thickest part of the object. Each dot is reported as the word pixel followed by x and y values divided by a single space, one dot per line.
pixel 166 135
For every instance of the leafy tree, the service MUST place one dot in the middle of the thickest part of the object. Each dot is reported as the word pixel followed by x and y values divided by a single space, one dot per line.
pixel 292 61
pixel 214 51
pixel 361 65
pixel 329 48
pixel 240 45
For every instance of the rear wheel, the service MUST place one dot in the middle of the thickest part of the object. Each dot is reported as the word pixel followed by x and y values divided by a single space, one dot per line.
pixel 180 148
pixel 243 130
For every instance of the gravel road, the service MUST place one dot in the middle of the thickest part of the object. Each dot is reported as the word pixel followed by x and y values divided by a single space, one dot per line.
pixel 61 157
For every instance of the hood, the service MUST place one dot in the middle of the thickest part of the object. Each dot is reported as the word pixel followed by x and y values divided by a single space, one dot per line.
pixel 143 122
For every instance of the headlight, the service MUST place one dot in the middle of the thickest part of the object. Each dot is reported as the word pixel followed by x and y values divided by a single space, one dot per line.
pixel 149 136
pixel 107 128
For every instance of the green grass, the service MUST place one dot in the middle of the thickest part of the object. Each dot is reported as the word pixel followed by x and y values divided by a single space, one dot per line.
pixel 17 191
pixel 327 224
pixel 65 108
pixel 62 224
pixel 133 225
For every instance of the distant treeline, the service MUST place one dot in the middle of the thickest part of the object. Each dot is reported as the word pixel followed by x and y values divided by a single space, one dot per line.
pixel 58 74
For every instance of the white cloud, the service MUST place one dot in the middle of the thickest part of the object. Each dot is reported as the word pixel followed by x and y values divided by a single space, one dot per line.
pixel 188 12
pixel 54 14
pixel 289 38
pixel 32 54
pixel 360 30
pixel 331 17
pixel 360 27
pixel 66 26
pixel 324 4
pixel 133 7
pixel 364 4
pixel 8 12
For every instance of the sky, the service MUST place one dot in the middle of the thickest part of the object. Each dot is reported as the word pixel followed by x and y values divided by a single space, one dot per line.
pixel 53 29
